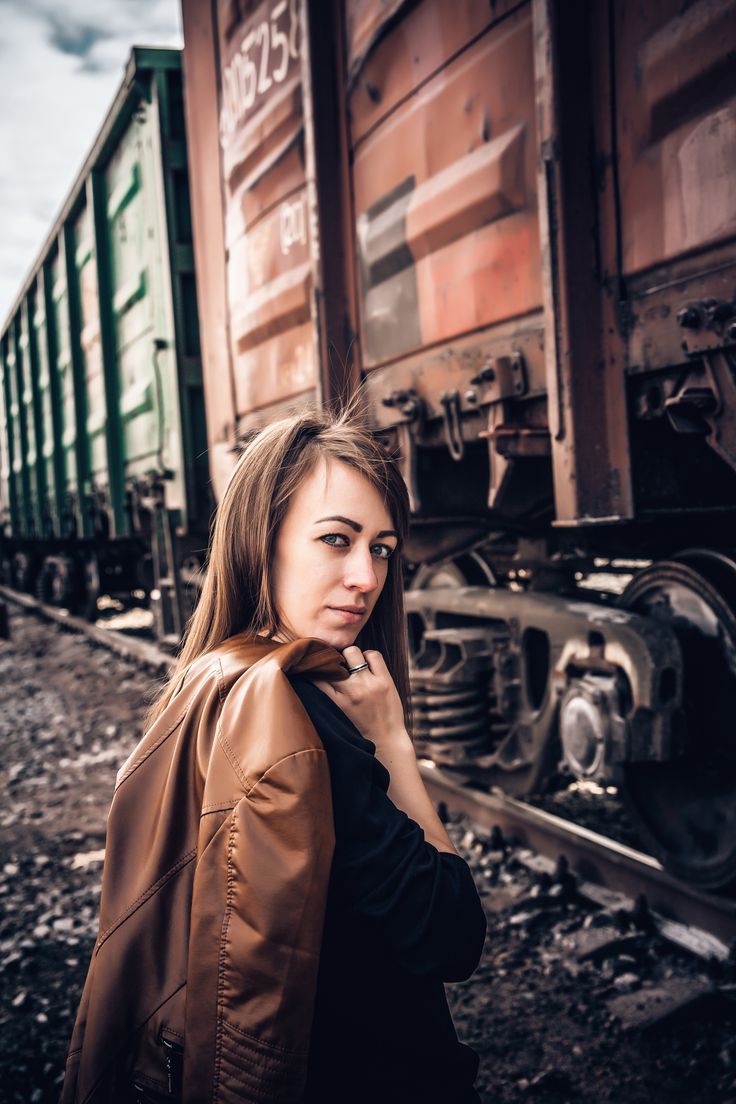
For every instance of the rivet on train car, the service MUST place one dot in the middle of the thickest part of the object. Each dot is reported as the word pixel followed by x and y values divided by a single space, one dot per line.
pixel 689 318
pixel 470 397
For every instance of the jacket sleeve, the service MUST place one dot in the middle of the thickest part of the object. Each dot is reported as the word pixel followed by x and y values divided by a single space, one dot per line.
pixel 423 902
pixel 257 918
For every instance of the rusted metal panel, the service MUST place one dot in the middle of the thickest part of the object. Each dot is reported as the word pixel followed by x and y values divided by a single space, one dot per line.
pixel 586 391
pixel 285 249
pixel 445 198
pixel 676 132
pixel 395 47
pixel 333 305
pixel 675 135
pixel 200 108
pixel 267 242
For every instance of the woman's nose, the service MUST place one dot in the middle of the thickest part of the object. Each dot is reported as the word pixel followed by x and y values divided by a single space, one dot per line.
pixel 360 572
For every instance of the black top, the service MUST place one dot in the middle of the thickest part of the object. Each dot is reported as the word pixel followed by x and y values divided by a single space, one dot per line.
pixel 401 918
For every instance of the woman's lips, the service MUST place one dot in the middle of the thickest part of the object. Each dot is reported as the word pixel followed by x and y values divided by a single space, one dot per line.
pixel 348 615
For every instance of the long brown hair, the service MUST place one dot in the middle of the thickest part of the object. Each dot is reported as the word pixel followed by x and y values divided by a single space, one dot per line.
pixel 237 595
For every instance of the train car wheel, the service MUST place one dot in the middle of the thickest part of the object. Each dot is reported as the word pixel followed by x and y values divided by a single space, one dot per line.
pixel 686 808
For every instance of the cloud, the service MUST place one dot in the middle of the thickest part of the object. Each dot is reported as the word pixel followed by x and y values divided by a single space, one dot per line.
pixel 63 61
pixel 77 39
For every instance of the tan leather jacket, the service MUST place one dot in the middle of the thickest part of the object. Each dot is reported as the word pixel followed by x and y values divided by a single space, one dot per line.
pixel 219 846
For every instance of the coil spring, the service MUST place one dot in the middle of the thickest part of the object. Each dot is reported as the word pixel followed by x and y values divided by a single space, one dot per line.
pixel 454 724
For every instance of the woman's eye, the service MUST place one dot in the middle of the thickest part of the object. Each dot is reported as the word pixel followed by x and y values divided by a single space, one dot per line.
pixel 383 551
pixel 339 540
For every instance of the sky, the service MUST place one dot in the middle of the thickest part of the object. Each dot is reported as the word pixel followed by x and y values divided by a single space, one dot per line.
pixel 61 63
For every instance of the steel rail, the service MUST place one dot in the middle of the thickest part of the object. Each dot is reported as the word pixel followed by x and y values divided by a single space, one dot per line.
pixel 609 873
pixel 139 651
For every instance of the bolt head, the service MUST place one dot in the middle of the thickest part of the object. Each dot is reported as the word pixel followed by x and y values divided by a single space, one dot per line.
pixel 689 318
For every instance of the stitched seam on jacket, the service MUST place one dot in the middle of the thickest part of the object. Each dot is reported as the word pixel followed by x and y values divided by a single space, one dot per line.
pixel 262 1076
pixel 264 1042
pixel 262 1073
pixel 245 1056
pixel 239 1073
pixel 142 758
pixel 220 806
pixel 221 959
pixel 291 755
pixel 144 896
pixel 231 756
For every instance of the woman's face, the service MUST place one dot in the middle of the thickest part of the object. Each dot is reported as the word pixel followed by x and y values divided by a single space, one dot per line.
pixel 331 555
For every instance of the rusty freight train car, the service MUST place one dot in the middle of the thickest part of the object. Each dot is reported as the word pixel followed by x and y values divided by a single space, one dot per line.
pixel 516 223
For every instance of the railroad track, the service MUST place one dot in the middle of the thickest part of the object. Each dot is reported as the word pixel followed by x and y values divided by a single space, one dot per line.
pixel 609 874
pixel 143 652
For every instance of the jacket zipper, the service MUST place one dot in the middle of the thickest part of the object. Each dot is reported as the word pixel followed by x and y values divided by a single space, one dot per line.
pixel 173 1053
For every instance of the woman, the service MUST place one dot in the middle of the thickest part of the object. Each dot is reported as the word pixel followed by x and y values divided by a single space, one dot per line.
pixel 281 903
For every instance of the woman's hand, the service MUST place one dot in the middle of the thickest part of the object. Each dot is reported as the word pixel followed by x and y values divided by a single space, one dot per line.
pixel 369 698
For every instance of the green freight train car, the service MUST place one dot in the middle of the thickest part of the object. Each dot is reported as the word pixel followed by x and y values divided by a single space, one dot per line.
pixel 104 484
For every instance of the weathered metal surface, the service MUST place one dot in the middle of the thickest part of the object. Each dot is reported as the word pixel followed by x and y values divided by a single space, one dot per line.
pixel 48 412
pixel 586 392
pixel 154 363
pixel 445 198
pixel 676 127
pixel 84 264
pixel 200 105
pixel 286 244
pixel 62 368
pixel 395 47
pixel 537 645
pixel 30 421
pixel 7 483
pixel 333 312
pixel 267 232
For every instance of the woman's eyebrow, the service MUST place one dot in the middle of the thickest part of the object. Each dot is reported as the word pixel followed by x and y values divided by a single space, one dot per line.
pixel 357 526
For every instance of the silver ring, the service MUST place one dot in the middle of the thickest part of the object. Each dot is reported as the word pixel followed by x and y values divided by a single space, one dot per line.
pixel 360 667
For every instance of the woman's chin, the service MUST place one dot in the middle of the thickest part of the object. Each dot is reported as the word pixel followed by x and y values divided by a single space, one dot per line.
pixel 338 638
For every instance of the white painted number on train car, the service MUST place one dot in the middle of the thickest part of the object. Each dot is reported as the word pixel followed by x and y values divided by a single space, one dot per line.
pixel 262 60
pixel 292 225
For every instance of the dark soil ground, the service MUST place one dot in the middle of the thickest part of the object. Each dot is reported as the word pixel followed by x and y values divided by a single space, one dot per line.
pixel 549 1009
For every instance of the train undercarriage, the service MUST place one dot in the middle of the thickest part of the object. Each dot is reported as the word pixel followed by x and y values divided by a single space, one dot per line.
pixel 517 686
